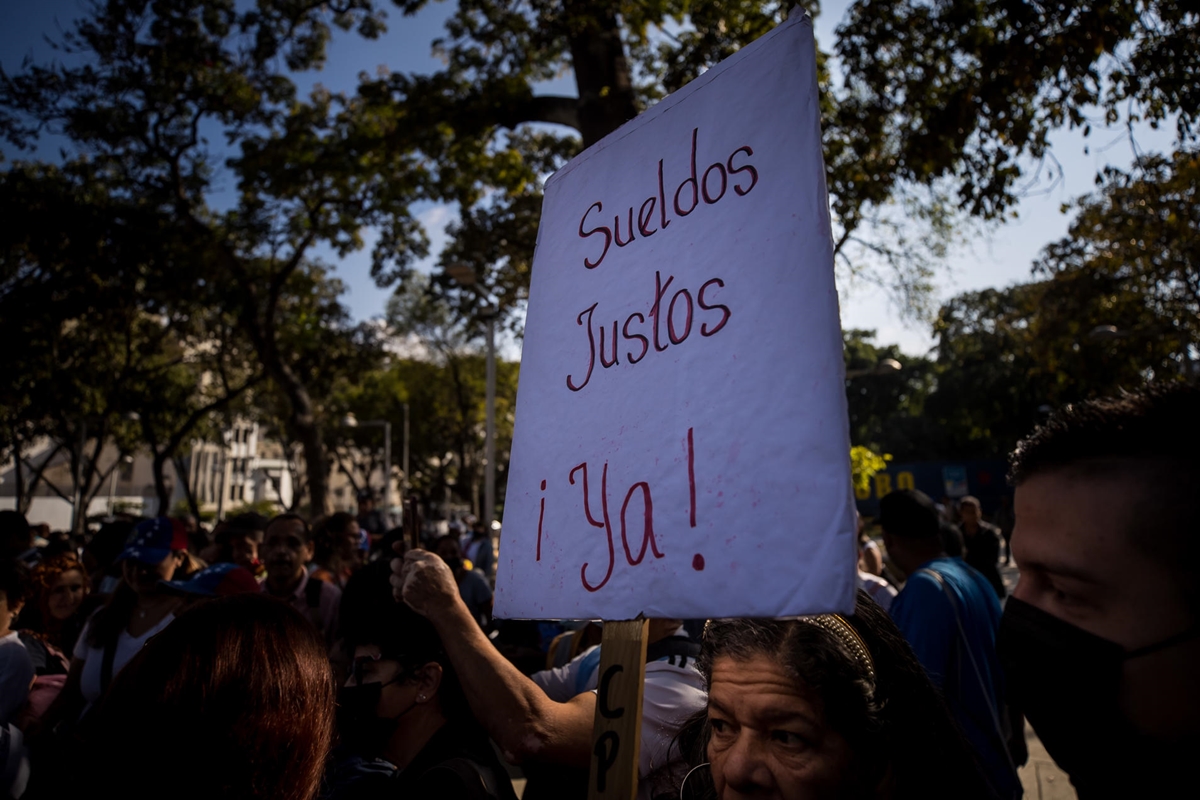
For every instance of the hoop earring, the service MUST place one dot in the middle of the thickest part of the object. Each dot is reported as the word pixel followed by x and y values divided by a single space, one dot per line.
pixel 686 778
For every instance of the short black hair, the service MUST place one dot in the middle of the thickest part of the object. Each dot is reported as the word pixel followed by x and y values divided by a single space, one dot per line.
pixel 370 614
pixel 1146 439
pixel 13 582
pixel 308 531
pixel 15 534
pixel 909 514
pixel 249 521
pixel 1160 424
pixel 337 522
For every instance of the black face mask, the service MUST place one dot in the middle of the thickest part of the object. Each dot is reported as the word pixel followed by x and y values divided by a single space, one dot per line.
pixel 1067 682
pixel 360 728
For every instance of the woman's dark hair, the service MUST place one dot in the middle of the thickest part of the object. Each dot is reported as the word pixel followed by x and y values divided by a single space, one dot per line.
pixel 896 721
pixel 108 543
pixel 371 615
pixel 113 617
pixel 13 582
pixel 237 692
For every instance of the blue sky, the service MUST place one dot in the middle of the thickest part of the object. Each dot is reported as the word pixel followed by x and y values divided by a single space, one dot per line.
pixel 1002 257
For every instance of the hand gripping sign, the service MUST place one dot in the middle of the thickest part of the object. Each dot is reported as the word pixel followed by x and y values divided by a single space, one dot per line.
pixel 681 441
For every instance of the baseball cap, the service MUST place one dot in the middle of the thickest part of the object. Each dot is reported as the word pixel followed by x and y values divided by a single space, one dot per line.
pixel 219 580
pixel 154 539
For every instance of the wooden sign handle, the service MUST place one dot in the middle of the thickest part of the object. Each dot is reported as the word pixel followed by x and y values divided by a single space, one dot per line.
pixel 617 730
pixel 412 523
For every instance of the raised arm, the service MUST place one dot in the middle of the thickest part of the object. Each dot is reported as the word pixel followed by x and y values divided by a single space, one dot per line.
pixel 514 711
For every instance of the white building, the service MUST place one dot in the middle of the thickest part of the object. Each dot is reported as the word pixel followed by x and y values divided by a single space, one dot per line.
pixel 242 470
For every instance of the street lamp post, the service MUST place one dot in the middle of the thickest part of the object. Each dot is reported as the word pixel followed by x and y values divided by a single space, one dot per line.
pixel 404 457
pixel 112 483
pixel 465 276
pixel 489 446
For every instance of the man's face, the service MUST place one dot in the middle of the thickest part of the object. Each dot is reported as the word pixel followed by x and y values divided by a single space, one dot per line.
pixel 1073 543
pixel 351 537
pixel 285 550
pixel 969 513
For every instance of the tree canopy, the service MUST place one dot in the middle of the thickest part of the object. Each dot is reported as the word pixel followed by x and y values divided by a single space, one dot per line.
pixel 198 185
pixel 171 99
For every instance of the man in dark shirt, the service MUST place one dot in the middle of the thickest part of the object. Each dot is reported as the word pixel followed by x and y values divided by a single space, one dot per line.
pixel 1101 638
pixel 982 542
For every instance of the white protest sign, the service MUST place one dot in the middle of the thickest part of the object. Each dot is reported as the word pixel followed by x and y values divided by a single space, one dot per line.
pixel 681 446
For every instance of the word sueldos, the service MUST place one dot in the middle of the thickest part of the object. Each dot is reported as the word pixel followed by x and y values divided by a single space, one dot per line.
pixel 709 186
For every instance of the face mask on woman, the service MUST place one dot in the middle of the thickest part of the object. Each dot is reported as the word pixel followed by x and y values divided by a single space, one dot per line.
pixel 361 729
pixel 1067 681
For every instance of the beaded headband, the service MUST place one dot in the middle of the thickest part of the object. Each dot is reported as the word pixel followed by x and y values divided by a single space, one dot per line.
pixel 844 631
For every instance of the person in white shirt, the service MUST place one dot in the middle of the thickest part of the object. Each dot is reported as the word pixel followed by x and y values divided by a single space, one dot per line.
pixel 880 590
pixel 137 610
pixel 16 667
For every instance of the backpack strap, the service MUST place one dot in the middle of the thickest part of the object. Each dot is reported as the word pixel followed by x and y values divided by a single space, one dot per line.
pixel 106 664
pixel 996 727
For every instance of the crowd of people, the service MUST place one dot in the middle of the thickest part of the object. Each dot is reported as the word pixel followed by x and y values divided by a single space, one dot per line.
pixel 295 658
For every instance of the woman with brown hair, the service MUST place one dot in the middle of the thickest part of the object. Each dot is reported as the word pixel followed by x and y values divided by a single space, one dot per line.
pixel 238 687
pixel 58 606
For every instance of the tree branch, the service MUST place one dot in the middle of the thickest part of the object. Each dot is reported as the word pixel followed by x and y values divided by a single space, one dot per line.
pixel 554 109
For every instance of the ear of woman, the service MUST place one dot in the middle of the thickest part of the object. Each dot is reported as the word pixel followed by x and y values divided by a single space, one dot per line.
pixel 429 680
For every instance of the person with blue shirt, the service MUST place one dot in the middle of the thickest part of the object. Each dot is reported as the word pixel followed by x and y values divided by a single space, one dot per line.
pixel 949 614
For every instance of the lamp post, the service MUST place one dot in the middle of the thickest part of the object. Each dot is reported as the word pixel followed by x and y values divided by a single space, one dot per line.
pixel 404 457
pixel 489 442
pixel 112 483
pixel 351 421
pixel 465 276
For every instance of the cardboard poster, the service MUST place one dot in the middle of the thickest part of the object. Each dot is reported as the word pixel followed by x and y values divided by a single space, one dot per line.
pixel 681 446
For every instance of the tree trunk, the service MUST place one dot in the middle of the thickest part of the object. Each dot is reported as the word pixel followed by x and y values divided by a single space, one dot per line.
pixel 303 423
pixel 160 484
pixel 193 506
pixel 18 446
pixel 602 76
